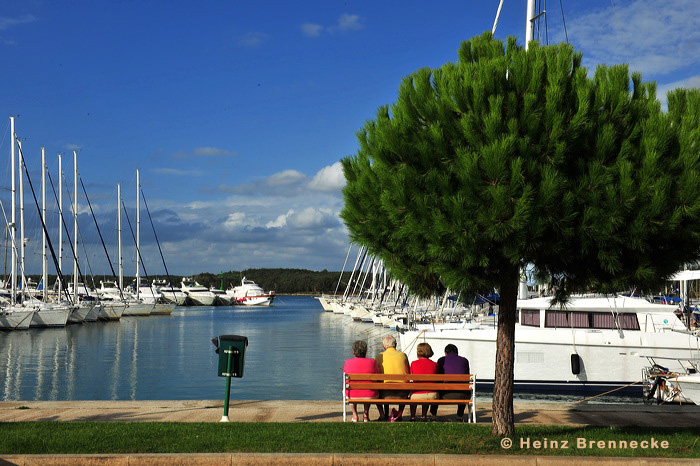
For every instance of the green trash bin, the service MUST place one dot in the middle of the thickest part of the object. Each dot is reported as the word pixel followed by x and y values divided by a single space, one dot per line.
pixel 234 345
pixel 231 350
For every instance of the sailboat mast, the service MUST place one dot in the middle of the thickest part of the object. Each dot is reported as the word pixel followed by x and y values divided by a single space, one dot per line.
pixel 75 226
pixel 44 261
pixel 13 225
pixel 138 231
pixel 21 217
pixel 530 23
pixel 119 236
pixel 60 221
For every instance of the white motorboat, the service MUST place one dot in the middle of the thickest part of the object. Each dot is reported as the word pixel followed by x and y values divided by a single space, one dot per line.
pixel 690 387
pixel 249 293
pixel 112 297
pixel 593 343
pixel 169 293
pixel 198 294
pixel 221 297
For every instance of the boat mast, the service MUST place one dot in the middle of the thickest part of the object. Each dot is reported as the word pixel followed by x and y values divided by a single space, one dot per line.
pixel 119 237
pixel 60 221
pixel 138 232
pixel 75 226
pixel 44 261
pixel 13 225
pixel 21 217
pixel 530 23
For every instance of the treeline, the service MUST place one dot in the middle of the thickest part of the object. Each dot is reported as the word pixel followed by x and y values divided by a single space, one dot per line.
pixel 283 281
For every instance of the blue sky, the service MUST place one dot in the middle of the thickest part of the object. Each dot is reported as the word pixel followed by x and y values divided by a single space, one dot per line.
pixel 237 113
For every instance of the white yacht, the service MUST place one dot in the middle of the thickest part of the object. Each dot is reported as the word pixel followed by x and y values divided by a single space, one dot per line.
pixel 593 343
pixel 113 297
pixel 221 297
pixel 198 294
pixel 250 294
pixel 170 293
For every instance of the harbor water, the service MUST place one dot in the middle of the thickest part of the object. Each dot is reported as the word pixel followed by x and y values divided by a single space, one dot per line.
pixel 296 352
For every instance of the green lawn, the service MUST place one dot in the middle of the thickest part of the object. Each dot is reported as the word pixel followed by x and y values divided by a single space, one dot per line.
pixel 406 438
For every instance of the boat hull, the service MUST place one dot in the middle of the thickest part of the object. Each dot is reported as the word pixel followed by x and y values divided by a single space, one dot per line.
pixel 15 320
pixel 50 317
pixel 138 309
pixel 543 361
pixel 163 309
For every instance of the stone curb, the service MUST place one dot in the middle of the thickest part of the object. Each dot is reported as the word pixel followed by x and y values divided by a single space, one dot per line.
pixel 218 459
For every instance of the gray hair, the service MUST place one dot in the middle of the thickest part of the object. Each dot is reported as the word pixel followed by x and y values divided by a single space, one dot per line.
pixel 389 342
pixel 359 349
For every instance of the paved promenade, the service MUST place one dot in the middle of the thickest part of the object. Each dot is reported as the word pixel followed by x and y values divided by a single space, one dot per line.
pixel 332 411
pixel 329 411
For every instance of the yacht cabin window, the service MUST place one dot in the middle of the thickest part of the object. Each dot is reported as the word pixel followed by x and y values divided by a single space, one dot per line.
pixel 596 320
pixel 530 317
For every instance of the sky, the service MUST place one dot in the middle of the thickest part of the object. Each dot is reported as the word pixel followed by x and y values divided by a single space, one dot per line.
pixel 237 113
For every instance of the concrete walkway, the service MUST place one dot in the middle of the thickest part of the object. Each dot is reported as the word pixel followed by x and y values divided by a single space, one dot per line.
pixel 332 411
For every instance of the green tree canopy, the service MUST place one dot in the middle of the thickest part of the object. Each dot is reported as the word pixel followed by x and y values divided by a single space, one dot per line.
pixel 510 157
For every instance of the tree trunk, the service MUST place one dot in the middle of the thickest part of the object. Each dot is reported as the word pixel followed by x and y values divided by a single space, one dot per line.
pixel 503 417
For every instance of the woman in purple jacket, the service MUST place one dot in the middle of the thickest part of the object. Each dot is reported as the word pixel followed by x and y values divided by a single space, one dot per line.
pixel 453 363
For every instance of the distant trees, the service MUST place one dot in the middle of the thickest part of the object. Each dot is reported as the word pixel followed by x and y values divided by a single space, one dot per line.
pixel 279 280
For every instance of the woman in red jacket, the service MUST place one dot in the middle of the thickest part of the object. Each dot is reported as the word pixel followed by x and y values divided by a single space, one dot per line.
pixel 423 365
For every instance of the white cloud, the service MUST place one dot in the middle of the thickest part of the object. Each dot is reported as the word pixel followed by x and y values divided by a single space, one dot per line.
pixel 285 178
pixel 8 22
pixel 311 29
pixel 328 179
pixel 213 152
pixel 690 83
pixel 204 152
pixel 348 22
pixel 73 147
pixel 253 39
pixel 653 37
pixel 176 171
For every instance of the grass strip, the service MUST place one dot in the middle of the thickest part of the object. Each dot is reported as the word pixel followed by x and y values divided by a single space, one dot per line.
pixel 428 438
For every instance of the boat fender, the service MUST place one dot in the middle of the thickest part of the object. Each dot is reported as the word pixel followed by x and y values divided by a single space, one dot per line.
pixel 575 364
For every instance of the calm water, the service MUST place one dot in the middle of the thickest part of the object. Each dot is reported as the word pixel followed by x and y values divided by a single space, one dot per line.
pixel 296 352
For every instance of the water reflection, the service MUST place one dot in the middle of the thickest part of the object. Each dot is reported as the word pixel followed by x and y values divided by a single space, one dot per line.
pixel 296 351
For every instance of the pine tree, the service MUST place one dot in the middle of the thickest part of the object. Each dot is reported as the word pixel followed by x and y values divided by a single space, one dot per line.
pixel 510 157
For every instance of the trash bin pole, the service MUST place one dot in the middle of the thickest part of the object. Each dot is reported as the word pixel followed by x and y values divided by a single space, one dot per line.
pixel 228 385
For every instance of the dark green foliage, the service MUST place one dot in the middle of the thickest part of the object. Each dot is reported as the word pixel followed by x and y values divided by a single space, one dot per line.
pixel 507 158
pixel 279 280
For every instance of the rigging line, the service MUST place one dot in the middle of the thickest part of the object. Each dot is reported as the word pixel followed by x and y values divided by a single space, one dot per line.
pixel 148 211
pixel 80 236
pixel 561 7
pixel 65 228
pixel 104 246
pixel 138 250
pixel 546 26
pixel 43 225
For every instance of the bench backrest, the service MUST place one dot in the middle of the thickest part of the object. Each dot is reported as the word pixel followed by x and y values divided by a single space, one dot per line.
pixel 431 382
